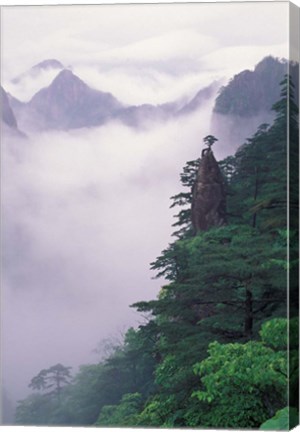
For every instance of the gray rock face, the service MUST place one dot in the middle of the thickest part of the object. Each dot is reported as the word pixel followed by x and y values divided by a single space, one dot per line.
pixel 199 99
pixel 251 92
pixel 246 101
pixel 209 197
pixel 69 103
pixel 7 114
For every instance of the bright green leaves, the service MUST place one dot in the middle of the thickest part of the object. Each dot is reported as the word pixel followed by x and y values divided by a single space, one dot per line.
pixel 274 333
pixel 285 419
pixel 247 380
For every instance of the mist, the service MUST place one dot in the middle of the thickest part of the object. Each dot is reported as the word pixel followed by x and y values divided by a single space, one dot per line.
pixel 85 212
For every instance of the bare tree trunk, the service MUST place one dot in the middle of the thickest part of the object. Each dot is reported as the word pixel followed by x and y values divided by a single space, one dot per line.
pixel 248 327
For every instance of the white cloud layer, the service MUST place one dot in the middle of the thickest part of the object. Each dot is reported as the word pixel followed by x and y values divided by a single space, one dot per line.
pixel 84 213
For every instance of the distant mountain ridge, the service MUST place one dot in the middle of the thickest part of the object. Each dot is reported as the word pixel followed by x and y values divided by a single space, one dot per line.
pixel 250 92
pixel 69 103
pixel 34 71
pixel 247 100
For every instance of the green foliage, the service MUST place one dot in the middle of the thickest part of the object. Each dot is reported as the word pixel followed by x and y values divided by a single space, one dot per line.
pixel 33 410
pixel 184 199
pixel 224 283
pixel 128 370
pixel 46 408
pixel 209 140
pixel 285 419
pixel 55 377
pixel 274 333
pixel 125 413
pixel 244 383
pixel 222 277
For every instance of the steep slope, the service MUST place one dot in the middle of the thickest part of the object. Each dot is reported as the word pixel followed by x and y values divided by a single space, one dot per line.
pixel 69 103
pixel 246 101
pixel 8 121
pixel 251 92
pixel 7 115
pixel 199 99
pixel 145 114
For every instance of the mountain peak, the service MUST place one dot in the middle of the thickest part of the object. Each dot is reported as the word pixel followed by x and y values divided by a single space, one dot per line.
pixel 269 63
pixel 66 75
pixel 36 70
pixel 66 80
pixel 70 103
pixel 252 91
pixel 48 64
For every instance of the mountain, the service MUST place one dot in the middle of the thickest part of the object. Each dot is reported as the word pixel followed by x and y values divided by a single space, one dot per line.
pixel 69 103
pixel 7 115
pixel 247 100
pixel 140 116
pixel 251 92
pixel 199 99
pixel 8 119
pixel 50 65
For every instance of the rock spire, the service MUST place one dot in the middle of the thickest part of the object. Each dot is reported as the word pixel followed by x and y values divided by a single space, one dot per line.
pixel 209 196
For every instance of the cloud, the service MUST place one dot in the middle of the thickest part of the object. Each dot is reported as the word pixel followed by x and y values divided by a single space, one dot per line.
pixel 179 45
pixel 29 84
pixel 84 213
pixel 138 85
pixel 145 71
pixel 232 60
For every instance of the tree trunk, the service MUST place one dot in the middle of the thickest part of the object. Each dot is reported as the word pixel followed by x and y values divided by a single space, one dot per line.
pixel 248 328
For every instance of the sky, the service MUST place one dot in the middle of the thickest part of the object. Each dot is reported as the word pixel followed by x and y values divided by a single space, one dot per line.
pixel 85 212
pixel 112 44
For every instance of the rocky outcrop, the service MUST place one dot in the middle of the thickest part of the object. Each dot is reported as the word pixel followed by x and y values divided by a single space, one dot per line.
pixel 209 197
pixel 6 111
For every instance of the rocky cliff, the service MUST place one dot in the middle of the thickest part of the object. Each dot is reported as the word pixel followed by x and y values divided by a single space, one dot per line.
pixel 7 115
pixel 246 101
pixel 209 197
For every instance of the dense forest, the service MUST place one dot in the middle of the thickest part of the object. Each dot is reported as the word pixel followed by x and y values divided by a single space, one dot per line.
pixel 213 348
